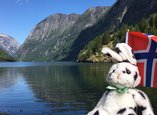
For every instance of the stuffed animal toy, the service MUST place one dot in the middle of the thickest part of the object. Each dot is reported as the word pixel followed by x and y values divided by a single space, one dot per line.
pixel 122 98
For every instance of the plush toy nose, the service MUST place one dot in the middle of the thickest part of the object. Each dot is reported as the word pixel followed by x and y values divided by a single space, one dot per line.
pixel 118 76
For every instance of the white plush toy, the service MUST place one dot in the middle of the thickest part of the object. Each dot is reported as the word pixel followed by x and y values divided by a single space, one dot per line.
pixel 122 98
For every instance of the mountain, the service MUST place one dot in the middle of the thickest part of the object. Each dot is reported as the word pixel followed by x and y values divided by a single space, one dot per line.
pixel 8 48
pixel 53 37
pixel 92 51
pixel 122 12
pixel 46 37
pixel 61 37
pixel 8 44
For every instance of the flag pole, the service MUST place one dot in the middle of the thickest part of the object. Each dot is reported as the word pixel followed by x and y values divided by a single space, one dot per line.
pixel 126 38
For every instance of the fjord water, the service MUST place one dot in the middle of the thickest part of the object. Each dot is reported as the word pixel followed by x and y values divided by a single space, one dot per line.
pixel 61 88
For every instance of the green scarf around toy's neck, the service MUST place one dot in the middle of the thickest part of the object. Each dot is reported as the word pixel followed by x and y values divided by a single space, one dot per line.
pixel 120 90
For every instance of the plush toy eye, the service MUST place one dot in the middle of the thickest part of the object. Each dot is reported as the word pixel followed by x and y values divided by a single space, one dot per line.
pixel 128 71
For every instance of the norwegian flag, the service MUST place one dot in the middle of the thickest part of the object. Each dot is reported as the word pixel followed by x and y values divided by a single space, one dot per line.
pixel 144 47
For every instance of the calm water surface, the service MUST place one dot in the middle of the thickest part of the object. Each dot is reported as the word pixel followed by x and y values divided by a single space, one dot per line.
pixel 54 88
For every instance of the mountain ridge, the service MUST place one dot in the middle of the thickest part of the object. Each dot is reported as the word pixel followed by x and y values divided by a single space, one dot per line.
pixel 60 40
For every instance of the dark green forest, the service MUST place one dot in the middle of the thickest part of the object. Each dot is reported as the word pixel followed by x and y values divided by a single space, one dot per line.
pixel 92 51
pixel 5 57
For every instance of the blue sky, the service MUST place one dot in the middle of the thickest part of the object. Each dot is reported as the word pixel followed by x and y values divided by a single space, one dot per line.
pixel 19 17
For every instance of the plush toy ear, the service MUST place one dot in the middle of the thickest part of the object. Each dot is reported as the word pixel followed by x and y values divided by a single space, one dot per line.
pixel 112 54
pixel 125 51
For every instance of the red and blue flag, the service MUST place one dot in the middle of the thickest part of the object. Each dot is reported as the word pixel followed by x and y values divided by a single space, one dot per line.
pixel 144 47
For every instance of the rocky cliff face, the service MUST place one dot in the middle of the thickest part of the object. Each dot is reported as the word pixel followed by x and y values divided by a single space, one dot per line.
pixel 8 44
pixel 56 24
pixel 53 37
pixel 125 11
pixel 139 9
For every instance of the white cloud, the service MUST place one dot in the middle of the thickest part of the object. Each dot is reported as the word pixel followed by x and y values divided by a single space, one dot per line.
pixel 21 2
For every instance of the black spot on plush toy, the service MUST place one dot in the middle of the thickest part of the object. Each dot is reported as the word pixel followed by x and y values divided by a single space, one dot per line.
pixel 122 98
